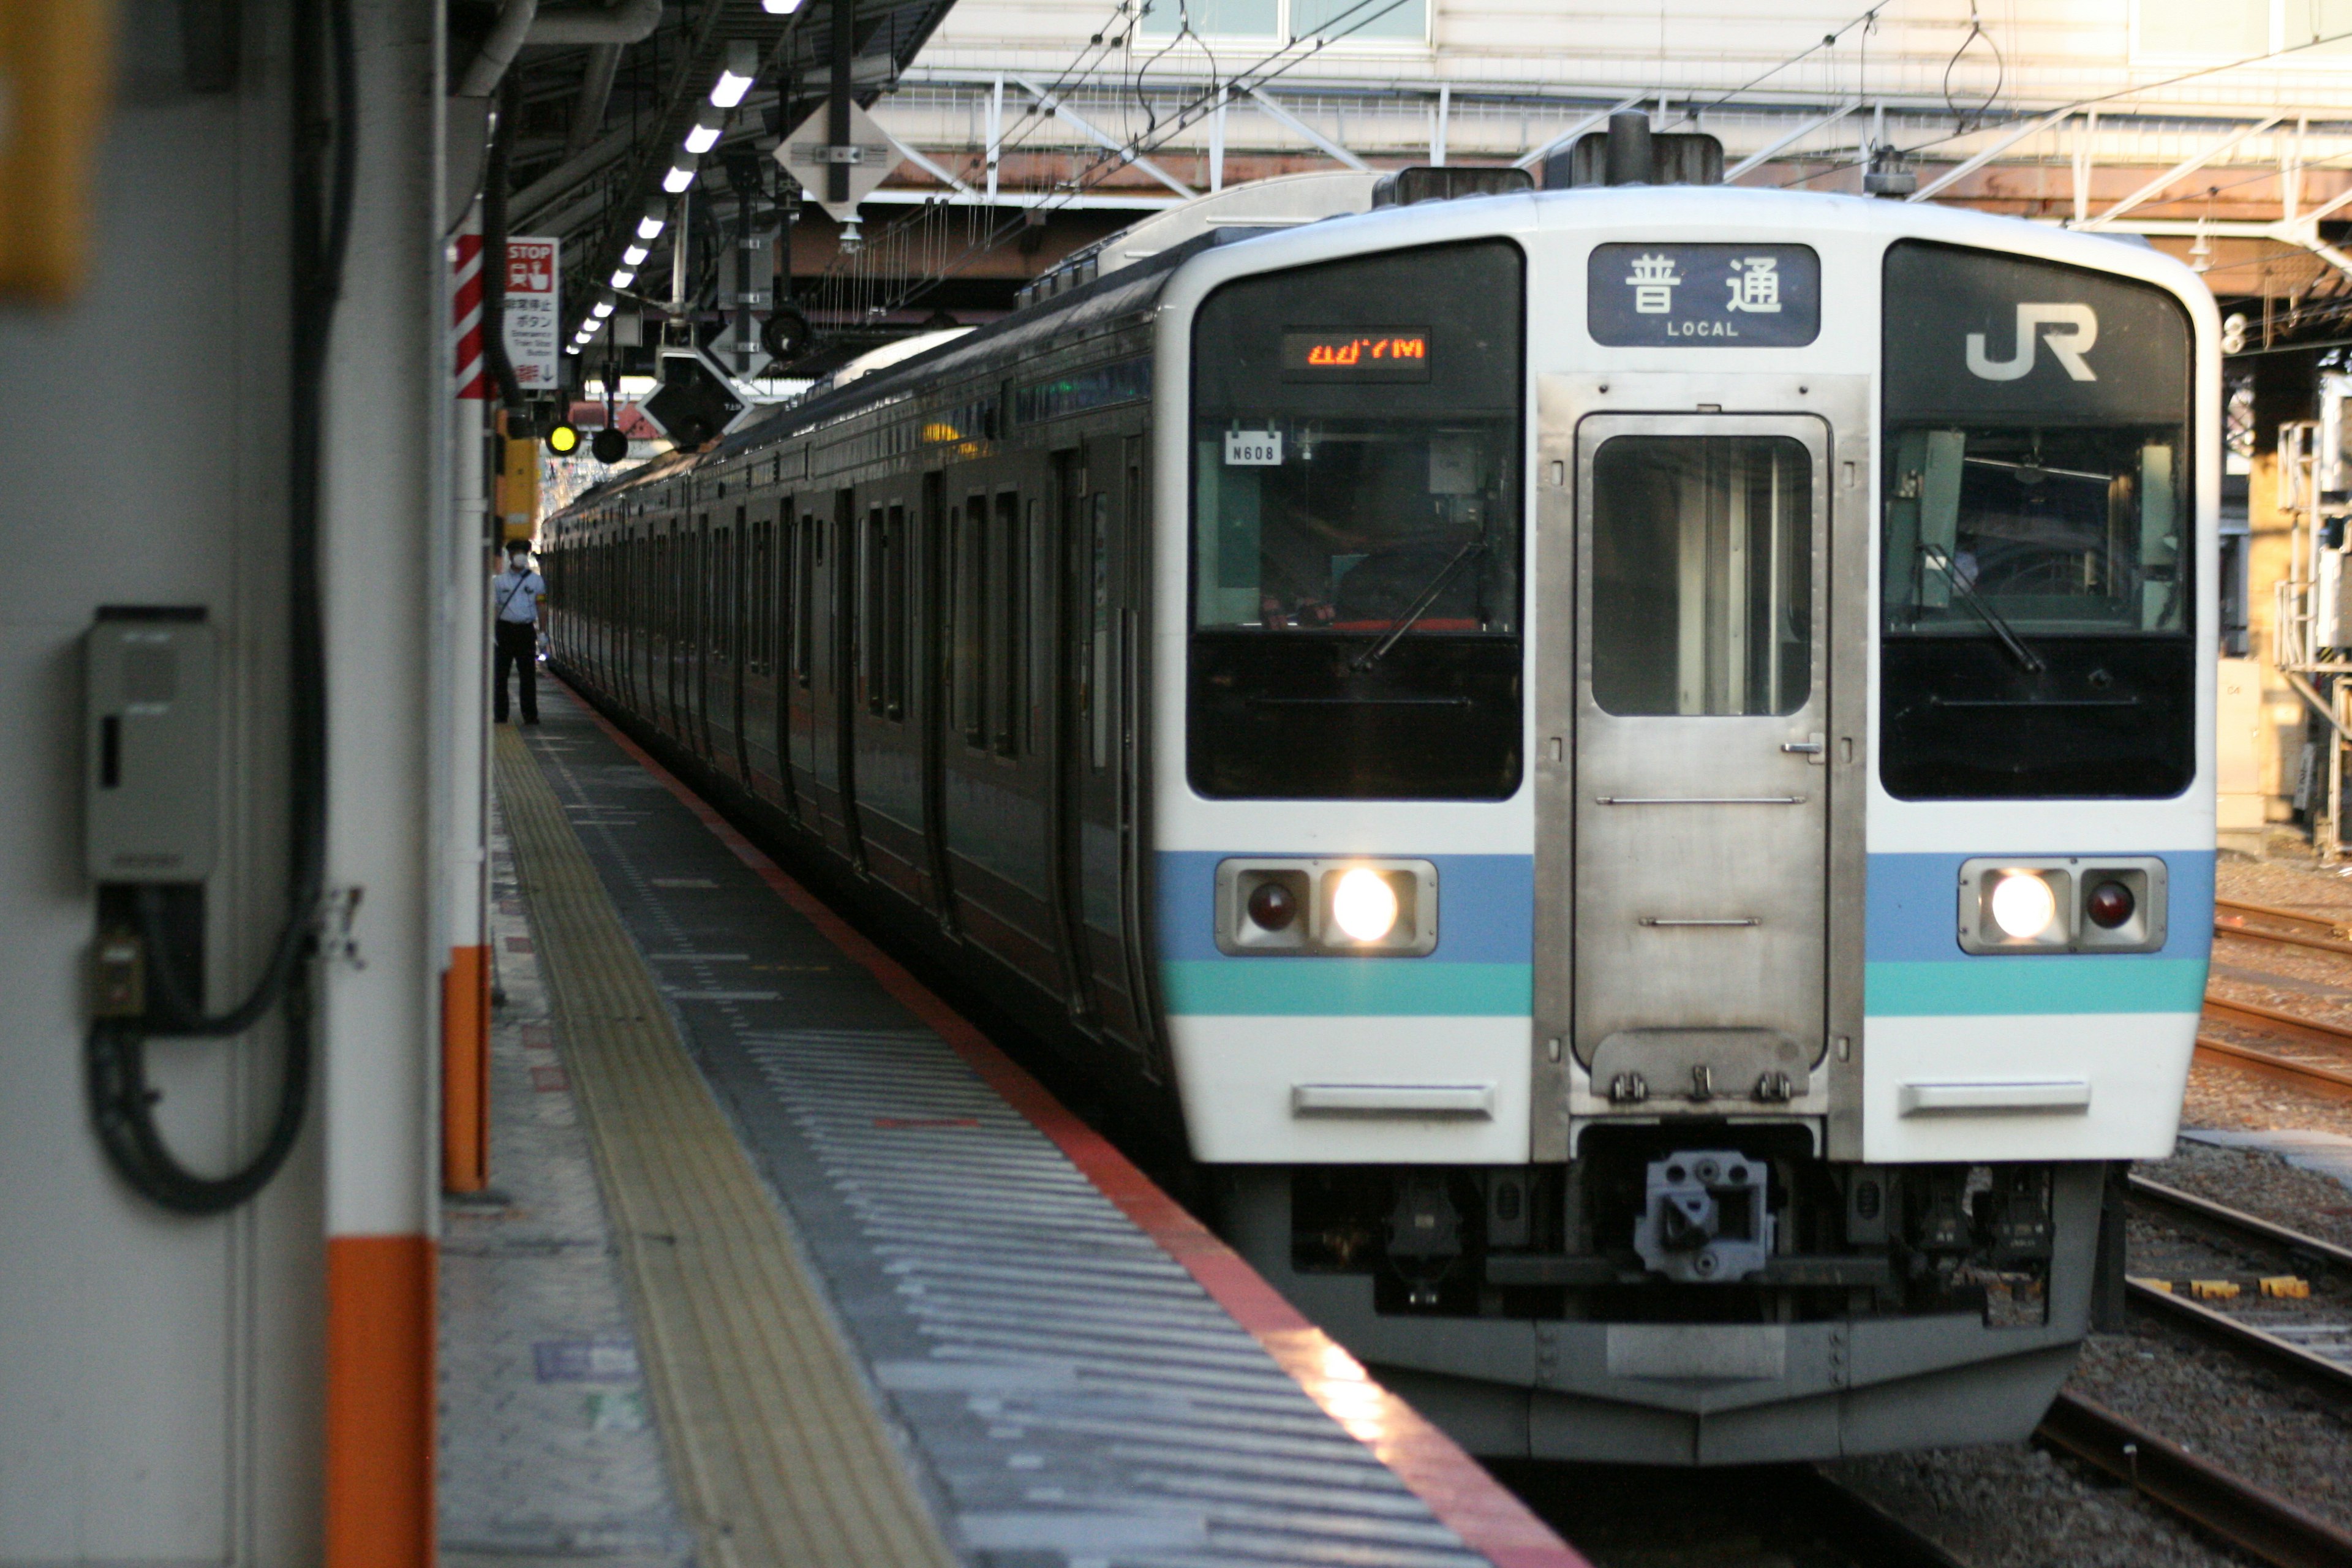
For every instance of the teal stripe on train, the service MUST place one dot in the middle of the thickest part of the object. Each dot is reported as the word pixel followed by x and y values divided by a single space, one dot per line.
pixel 1330 987
pixel 1990 983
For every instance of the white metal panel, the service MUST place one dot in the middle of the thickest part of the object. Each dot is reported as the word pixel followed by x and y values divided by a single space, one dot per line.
pixel 2131 1069
pixel 141 1417
pixel 1242 1080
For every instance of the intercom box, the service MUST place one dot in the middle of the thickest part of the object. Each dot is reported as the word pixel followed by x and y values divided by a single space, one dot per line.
pixel 150 777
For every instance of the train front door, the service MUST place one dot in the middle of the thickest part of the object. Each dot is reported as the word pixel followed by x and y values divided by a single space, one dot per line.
pixel 1697 807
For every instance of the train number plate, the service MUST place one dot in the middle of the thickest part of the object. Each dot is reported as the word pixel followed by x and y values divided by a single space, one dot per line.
pixel 1253 448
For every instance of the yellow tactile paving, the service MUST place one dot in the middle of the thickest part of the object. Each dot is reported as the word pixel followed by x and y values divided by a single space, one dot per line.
pixel 778 1454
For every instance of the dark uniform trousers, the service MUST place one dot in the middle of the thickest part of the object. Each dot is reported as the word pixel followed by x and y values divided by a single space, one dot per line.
pixel 516 645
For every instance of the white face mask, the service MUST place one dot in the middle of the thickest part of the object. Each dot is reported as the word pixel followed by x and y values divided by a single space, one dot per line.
pixel 518 562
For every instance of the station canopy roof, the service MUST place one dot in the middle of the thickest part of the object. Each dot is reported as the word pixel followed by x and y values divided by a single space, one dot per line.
pixel 597 126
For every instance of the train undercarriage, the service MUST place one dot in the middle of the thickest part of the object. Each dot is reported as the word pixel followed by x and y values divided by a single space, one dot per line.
pixel 1694 1292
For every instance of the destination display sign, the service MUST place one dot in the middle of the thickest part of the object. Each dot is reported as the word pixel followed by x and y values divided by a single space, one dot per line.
pixel 1703 296
pixel 1353 353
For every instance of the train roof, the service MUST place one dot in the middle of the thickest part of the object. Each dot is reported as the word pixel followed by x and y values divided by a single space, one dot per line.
pixel 1132 290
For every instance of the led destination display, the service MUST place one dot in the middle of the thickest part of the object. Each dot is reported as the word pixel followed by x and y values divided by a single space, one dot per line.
pixel 1342 353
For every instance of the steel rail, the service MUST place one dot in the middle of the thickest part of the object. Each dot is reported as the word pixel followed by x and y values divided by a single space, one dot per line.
pixel 2305 1367
pixel 2222 1329
pixel 2243 1514
pixel 2272 1019
pixel 2231 917
pixel 2309 924
pixel 2240 1225
pixel 2303 1075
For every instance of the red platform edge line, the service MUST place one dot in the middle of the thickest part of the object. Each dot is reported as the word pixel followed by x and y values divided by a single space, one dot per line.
pixel 1490 1520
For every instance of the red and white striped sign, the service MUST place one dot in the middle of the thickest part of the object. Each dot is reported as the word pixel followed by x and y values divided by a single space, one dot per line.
pixel 466 311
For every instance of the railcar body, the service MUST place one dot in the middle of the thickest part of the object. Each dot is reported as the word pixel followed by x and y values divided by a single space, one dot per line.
pixel 1635 764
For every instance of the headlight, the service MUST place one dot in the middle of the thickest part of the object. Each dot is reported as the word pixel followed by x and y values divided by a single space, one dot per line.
pixel 2022 905
pixel 1363 905
pixel 1353 906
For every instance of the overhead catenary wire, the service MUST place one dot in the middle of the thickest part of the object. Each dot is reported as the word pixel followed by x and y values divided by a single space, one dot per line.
pixel 1267 68
pixel 2092 102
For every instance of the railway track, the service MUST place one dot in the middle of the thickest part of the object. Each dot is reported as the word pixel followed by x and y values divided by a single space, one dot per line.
pixel 2308 1347
pixel 2267 922
pixel 2264 922
pixel 2312 1351
pixel 2246 1516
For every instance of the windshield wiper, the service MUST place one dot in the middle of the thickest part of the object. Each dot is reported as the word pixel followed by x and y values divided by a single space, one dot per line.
pixel 1976 602
pixel 1427 597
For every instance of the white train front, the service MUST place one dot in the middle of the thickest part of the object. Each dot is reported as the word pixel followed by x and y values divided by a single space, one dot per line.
pixel 1634 761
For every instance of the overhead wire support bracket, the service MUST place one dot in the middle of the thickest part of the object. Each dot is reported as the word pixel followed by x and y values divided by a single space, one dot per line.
pixel 1266 101
pixel 1765 154
pixel 1123 150
pixel 2186 166
pixel 1978 160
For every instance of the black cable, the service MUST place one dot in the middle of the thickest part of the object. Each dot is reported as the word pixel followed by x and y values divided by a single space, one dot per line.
pixel 494 249
pixel 121 1103
pixel 1965 119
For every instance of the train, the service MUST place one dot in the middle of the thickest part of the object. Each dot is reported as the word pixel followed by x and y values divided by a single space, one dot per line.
pixel 1630 767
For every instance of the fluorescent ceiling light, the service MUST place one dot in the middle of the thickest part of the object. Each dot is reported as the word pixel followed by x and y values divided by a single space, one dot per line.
pixel 600 309
pixel 650 226
pixel 735 80
pixel 780 7
pixel 702 138
pixel 635 256
pixel 623 277
pixel 677 180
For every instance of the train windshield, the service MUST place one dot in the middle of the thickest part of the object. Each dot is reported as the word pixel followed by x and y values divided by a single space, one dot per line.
pixel 1356 530
pixel 2037 612
pixel 2036 531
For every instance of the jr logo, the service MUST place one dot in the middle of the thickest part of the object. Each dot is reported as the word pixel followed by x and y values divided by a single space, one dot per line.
pixel 2081 330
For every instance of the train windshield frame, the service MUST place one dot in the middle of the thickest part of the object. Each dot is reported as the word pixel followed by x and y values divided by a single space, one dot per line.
pixel 2037 604
pixel 1357 529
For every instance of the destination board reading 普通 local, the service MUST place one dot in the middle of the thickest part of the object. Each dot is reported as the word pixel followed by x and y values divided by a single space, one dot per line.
pixel 1677 295
pixel 1351 354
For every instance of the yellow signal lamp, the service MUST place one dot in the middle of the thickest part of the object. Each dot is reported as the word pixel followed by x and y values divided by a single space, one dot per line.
pixel 563 439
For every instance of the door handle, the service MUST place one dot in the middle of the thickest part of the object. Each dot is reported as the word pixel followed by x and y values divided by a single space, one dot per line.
pixel 1812 748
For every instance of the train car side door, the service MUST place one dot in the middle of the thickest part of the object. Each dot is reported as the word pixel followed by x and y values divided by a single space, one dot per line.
pixel 1700 802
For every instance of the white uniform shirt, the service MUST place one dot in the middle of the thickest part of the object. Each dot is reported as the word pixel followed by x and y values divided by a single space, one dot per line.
pixel 515 596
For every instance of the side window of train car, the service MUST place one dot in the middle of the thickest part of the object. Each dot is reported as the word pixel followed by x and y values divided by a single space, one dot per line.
pixel 897 628
pixel 805 601
pixel 723 594
pixel 1008 606
pixel 1098 638
pixel 1356 535
pixel 755 602
pixel 966 639
pixel 873 572
pixel 2037 616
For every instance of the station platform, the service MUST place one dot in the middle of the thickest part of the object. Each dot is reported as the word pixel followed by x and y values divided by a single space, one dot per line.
pixel 785 1263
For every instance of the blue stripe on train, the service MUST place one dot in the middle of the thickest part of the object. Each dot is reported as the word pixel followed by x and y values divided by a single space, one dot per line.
pixel 1913 966
pixel 1484 962
pixel 1483 965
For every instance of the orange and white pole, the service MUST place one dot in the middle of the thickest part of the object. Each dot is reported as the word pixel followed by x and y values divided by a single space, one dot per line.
pixel 465 981
pixel 387 536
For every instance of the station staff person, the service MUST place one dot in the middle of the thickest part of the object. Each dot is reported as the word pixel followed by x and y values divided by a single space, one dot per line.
pixel 515 595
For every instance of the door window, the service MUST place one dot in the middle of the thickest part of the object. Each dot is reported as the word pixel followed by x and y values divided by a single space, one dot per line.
pixel 1702 575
